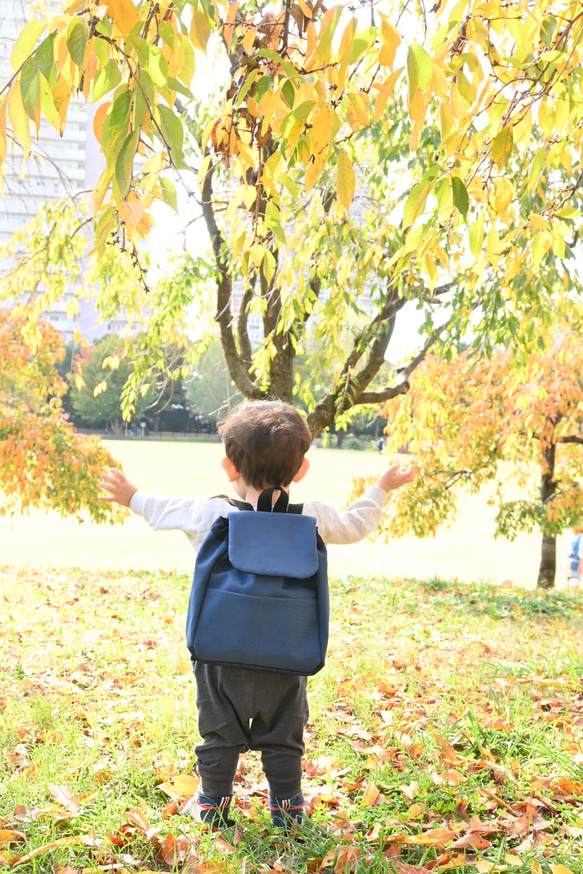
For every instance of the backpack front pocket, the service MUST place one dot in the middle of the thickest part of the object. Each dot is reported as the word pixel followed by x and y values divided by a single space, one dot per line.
pixel 271 633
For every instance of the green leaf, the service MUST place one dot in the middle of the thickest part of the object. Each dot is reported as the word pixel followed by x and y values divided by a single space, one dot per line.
pixel 106 79
pixel 166 31
pixel 44 58
pixel 144 92
pixel 101 50
pixel 171 127
pixel 362 43
pixel 288 93
pixel 262 86
pixel 477 235
pixel 175 85
pixel 29 88
pixel 300 113
pixel 189 63
pixel 168 193
pixel 502 146
pixel 77 40
pixel 246 86
pixel 419 69
pixel 332 17
pixel 460 195
pixel 26 42
pixel 123 167
pixel 415 203
pixel 104 226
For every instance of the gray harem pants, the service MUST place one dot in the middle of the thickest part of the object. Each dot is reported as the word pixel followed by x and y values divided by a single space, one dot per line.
pixel 241 709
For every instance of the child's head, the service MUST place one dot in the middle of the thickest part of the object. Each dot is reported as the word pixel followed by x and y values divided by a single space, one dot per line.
pixel 265 443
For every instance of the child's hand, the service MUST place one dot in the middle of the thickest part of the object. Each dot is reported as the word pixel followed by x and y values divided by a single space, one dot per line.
pixel 395 477
pixel 119 488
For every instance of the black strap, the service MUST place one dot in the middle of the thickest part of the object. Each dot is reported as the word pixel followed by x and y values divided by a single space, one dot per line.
pixel 265 501
pixel 296 509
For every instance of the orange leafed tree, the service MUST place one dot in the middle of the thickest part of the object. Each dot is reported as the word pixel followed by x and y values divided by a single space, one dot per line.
pixel 44 462
pixel 463 420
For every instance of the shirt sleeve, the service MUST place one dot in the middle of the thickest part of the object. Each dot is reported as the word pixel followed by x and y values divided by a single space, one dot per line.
pixel 351 524
pixel 193 516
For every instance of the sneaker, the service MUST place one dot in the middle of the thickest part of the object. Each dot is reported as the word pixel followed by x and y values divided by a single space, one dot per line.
pixel 286 811
pixel 213 811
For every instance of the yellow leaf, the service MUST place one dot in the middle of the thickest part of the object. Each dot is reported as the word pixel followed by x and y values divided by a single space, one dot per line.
pixel 359 108
pixel 345 180
pixel 155 163
pixel 249 39
pixel 76 336
pixel 257 253
pixel 124 13
pixel 18 117
pixel 390 41
pixel 131 212
pixel 99 389
pixel 560 869
pixel 323 130
pixel 100 189
pixel 312 173
pixel 502 146
pixel 79 381
pixel 3 144
pixel 230 23
pixel 200 30
pixel 536 868
pixel 504 192
pixel 370 795
pixel 26 42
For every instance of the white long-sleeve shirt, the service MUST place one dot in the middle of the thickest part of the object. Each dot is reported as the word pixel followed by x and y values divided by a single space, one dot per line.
pixel 195 516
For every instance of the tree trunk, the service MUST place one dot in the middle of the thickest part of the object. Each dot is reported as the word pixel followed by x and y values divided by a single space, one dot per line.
pixel 548 563
pixel 548 559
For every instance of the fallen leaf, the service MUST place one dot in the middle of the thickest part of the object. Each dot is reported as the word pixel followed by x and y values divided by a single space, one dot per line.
pixel 370 795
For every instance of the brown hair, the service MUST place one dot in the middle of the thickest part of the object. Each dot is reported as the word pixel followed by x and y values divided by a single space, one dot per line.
pixel 266 441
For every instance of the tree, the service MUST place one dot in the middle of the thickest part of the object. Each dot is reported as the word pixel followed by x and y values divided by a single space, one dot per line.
pixel 43 461
pixel 99 375
pixel 422 159
pixel 467 420
pixel 210 392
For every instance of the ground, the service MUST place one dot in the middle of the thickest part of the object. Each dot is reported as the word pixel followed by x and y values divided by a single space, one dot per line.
pixel 445 731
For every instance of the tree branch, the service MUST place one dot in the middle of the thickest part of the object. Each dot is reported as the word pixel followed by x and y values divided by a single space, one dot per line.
pixel 239 373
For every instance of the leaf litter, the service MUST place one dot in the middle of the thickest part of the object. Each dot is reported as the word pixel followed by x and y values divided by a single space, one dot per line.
pixel 411 765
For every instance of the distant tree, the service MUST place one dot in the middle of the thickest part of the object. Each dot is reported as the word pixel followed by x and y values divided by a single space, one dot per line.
pixel 210 391
pixel 98 378
pixel 43 461
pixel 464 419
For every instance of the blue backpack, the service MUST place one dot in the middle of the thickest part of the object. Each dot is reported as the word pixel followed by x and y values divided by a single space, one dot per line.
pixel 259 596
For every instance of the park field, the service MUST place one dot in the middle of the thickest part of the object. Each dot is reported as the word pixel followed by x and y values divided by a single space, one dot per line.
pixel 466 551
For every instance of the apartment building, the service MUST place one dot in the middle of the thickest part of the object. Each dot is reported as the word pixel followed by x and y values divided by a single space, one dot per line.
pixel 57 166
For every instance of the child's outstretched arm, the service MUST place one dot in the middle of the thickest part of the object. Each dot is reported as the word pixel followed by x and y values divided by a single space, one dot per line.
pixel 120 489
pixel 395 477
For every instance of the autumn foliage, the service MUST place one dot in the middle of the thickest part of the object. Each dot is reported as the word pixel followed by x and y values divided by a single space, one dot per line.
pixel 44 462
pixel 472 420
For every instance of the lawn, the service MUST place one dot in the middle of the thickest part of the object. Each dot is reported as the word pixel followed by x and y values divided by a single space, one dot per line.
pixel 445 733
pixel 466 551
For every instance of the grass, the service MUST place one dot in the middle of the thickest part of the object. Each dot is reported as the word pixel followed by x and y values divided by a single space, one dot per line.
pixel 466 551
pixel 445 732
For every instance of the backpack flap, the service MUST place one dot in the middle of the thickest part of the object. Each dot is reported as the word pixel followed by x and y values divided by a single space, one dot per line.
pixel 272 544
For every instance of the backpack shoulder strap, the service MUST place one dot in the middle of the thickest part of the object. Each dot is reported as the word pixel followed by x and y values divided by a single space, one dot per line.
pixel 241 505
pixel 295 508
